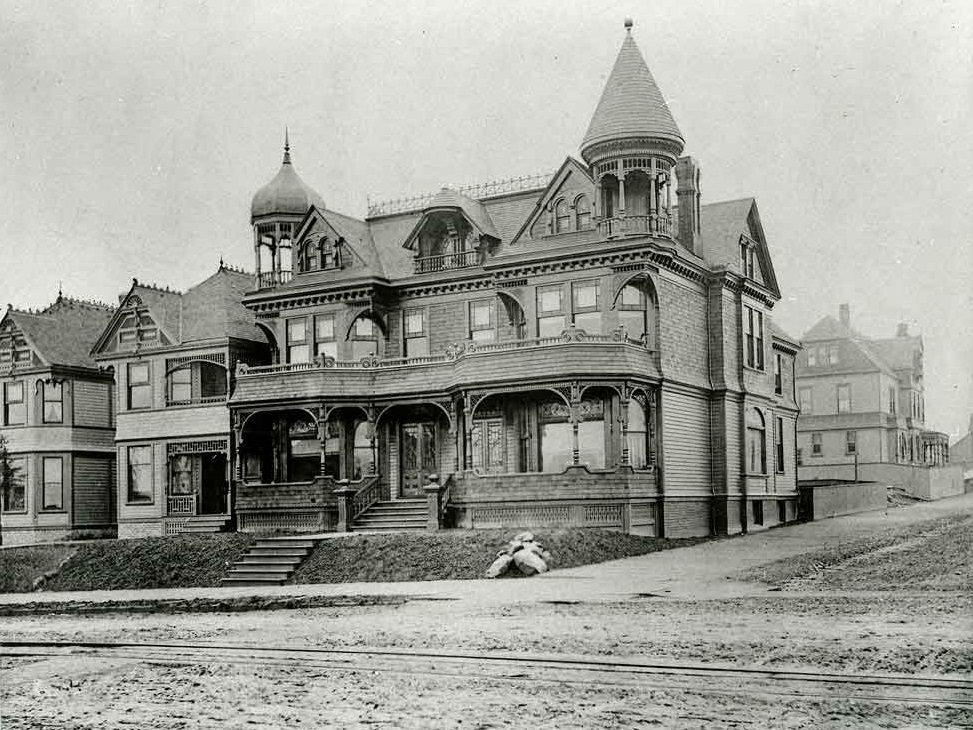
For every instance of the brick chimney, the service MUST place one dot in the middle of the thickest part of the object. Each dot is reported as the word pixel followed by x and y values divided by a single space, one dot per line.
pixel 844 314
pixel 687 192
pixel 902 330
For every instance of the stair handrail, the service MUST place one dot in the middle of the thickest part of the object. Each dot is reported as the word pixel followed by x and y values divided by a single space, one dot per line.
pixel 367 494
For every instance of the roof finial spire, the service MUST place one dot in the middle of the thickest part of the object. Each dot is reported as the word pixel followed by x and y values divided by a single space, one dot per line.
pixel 60 290
pixel 287 146
pixel 628 25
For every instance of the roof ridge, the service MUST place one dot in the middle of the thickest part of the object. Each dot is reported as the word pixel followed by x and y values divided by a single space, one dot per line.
pixel 155 287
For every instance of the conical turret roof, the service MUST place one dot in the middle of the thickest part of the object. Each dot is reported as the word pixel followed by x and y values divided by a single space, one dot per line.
pixel 631 104
pixel 286 193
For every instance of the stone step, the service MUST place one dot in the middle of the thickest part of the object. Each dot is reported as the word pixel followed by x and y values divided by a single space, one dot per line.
pixel 396 510
pixel 251 559
pixel 389 528
pixel 389 519
pixel 232 580
pixel 282 552
pixel 284 544
pixel 399 502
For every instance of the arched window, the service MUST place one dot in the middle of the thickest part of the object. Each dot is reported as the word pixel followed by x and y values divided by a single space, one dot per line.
pixel 582 213
pixel 365 338
pixel 756 442
pixel 196 382
pixel 638 435
pixel 309 261
pixel 363 451
pixel 562 217
pixel 632 306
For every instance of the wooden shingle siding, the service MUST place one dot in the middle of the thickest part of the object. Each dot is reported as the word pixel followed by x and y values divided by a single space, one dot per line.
pixel 685 440
pixel 92 404
pixel 683 332
pixel 93 491
pixel 174 422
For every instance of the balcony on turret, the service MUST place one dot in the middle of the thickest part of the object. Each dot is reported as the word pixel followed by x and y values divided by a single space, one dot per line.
pixel 271 279
pixel 656 224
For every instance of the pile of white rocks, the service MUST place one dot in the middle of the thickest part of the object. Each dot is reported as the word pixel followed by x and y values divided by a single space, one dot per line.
pixel 524 552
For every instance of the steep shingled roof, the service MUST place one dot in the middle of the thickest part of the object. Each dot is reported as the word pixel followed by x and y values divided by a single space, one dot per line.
pixel 213 309
pixel 631 104
pixel 62 334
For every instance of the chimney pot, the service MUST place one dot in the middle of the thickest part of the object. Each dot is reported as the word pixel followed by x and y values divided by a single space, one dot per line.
pixel 844 314
pixel 902 330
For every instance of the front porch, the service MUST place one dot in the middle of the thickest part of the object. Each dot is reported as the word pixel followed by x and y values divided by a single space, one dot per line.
pixel 576 453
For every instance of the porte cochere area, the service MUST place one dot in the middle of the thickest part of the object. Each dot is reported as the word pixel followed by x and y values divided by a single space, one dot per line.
pixel 536 452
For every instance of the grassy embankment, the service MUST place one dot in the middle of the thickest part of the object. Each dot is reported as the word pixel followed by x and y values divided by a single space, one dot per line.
pixel 202 560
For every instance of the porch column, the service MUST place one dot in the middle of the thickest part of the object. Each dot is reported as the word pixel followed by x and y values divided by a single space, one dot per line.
pixel 457 437
pixel 373 454
pixel 575 421
pixel 653 200
pixel 623 419
pixel 621 194
pixel 237 453
pixel 596 204
pixel 467 434
pixel 323 437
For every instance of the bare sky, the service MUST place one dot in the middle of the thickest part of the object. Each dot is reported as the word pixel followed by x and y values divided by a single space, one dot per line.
pixel 134 134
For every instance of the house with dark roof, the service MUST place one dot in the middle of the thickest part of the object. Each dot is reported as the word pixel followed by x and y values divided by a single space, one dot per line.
pixel 172 354
pixel 592 347
pixel 58 423
pixel 863 408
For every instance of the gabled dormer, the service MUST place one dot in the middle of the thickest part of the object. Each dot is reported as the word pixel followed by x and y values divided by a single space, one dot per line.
pixel 565 206
pixel 327 242
pixel 137 323
pixel 453 232
pixel 15 348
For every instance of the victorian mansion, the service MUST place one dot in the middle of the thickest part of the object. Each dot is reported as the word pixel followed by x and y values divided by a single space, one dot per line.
pixel 591 348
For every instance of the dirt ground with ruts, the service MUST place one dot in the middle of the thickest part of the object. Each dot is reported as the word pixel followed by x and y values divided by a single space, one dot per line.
pixel 857 604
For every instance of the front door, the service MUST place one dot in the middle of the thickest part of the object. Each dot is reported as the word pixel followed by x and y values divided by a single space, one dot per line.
pixel 418 449
pixel 213 487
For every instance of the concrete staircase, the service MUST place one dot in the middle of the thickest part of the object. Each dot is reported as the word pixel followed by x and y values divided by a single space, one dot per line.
pixel 269 561
pixel 396 516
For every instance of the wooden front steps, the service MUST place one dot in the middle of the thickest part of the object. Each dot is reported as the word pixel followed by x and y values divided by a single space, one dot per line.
pixel 394 516
pixel 270 561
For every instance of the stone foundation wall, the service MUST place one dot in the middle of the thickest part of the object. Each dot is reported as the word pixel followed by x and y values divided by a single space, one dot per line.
pixel 33 535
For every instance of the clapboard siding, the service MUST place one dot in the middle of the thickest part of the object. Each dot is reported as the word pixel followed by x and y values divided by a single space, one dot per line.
pixel 93 492
pixel 734 447
pixel 787 481
pixel 685 440
pixel 92 404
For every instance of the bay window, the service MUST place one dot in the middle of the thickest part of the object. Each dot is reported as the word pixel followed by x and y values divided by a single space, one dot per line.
pixel 297 342
pixel 585 306
pixel 482 320
pixel 550 314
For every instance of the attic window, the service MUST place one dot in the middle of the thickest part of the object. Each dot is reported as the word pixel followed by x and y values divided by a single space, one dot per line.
pixel 562 217
pixel 747 259
pixel 582 212
pixel 137 326
pixel 320 254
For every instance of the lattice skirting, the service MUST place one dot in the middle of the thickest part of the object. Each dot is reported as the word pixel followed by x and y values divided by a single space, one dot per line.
pixel 287 521
pixel 638 517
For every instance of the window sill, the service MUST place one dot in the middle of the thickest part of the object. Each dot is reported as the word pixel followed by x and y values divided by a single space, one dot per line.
pixel 140 504
pixel 53 511
pixel 8 512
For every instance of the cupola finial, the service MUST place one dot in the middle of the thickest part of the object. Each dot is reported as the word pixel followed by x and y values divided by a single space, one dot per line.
pixel 287 146
pixel 628 25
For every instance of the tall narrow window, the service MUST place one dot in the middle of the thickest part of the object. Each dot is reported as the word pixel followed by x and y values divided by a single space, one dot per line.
pixel 844 399
pixel 416 333
pixel 140 474
pixel 582 213
pixel 832 354
pixel 779 445
pixel 748 324
pixel 638 435
pixel 812 357
pixel 585 306
pixel 14 408
pixel 363 451
pixel 632 311
pixel 562 217
pixel 139 386
pixel 756 442
pixel 851 442
pixel 329 254
pixel 550 314
pixel 310 258
pixel 760 340
pixel 364 341
pixel 297 344
pixel 778 374
pixel 324 339
pixel 482 321
pixel 15 489
pixel 804 394
pixel 53 492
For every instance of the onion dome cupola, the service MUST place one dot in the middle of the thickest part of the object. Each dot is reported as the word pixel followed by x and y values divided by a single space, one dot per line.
pixel 276 212
pixel 632 145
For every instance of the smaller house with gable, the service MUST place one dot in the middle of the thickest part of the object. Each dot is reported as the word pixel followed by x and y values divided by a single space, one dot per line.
pixel 172 354
pixel 58 423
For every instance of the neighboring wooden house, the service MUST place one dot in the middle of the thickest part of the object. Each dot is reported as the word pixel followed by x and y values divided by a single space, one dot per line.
pixel 172 354
pixel 863 409
pixel 571 349
pixel 58 422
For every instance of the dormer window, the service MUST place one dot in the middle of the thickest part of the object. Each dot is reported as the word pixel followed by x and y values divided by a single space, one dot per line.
pixel 582 213
pixel 562 217
pixel 320 254
pixel 447 241
pixel 137 326
pixel 747 259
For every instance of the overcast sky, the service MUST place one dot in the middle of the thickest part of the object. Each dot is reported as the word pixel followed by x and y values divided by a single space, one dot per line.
pixel 134 134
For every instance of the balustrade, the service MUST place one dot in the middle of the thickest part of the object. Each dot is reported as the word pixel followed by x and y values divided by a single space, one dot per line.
pixel 181 504
pixel 270 279
pixel 655 224
pixel 447 261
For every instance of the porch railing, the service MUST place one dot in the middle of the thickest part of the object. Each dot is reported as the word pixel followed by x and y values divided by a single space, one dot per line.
pixel 181 504
pixel 569 336
pixel 446 261
pixel 270 279
pixel 654 224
